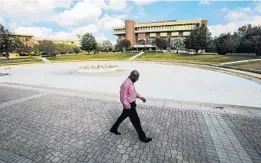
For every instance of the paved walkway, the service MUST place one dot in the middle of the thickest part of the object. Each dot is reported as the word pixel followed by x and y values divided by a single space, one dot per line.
pixel 39 125
pixel 242 61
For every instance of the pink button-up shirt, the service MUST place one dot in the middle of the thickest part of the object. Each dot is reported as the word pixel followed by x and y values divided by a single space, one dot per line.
pixel 128 93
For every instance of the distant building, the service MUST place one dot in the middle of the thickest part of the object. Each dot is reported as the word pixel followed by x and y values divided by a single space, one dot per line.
pixel 144 34
pixel 25 39
pixel 67 42
pixel 30 41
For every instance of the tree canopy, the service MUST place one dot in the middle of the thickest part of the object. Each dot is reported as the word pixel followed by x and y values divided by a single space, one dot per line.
pixel 123 45
pixel 107 45
pixel 199 39
pixel 178 44
pixel 161 43
pixel 247 39
pixel 47 47
pixel 88 42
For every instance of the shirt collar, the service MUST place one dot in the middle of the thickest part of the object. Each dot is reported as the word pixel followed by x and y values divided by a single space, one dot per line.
pixel 130 80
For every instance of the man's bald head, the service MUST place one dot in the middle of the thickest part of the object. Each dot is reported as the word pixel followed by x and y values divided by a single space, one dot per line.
pixel 134 75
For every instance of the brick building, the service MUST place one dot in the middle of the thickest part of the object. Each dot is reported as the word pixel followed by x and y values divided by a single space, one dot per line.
pixel 144 34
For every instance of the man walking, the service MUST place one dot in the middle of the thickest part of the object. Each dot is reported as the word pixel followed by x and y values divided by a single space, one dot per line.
pixel 128 97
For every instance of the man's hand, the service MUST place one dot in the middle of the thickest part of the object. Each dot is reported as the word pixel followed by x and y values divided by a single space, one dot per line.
pixel 143 99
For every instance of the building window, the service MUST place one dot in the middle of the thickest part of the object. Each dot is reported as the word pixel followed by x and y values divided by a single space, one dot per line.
pixel 151 41
pixel 142 42
pixel 172 39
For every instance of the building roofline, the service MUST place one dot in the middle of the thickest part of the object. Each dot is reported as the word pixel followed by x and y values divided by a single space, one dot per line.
pixel 24 35
pixel 42 39
pixel 164 21
pixel 63 40
pixel 161 22
pixel 118 27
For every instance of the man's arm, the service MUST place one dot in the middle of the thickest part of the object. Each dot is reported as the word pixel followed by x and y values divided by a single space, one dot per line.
pixel 124 93
pixel 140 97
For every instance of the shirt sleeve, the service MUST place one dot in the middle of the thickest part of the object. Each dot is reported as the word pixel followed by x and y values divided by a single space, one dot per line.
pixel 138 95
pixel 124 93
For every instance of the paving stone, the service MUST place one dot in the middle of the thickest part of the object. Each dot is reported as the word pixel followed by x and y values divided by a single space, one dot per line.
pixel 60 128
pixel 8 94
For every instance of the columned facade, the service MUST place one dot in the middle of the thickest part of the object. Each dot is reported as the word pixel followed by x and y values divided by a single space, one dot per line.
pixel 146 33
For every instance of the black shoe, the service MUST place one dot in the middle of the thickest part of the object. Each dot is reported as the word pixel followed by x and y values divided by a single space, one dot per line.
pixel 146 140
pixel 115 132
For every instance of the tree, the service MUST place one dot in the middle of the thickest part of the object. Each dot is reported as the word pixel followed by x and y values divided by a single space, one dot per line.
pixel 11 43
pixel 117 47
pixel 27 50
pixel 88 42
pixel 250 39
pixel 107 46
pixel 4 41
pixel 178 44
pixel 15 44
pixel 63 48
pixel 212 45
pixel 48 47
pixel 247 39
pixel 123 45
pixel 228 43
pixel 99 47
pixel 76 49
pixel 199 39
pixel 161 43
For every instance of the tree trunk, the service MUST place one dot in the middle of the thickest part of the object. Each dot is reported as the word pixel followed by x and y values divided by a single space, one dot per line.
pixel 6 52
pixel 7 55
pixel 177 51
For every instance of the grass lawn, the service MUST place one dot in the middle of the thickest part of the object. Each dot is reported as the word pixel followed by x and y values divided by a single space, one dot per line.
pixel 102 56
pixel 251 65
pixel 123 56
pixel 18 61
pixel 192 58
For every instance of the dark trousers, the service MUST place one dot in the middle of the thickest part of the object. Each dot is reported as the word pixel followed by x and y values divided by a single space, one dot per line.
pixel 134 118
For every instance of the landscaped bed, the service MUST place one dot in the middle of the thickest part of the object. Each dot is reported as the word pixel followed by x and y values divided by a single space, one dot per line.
pixel 20 60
